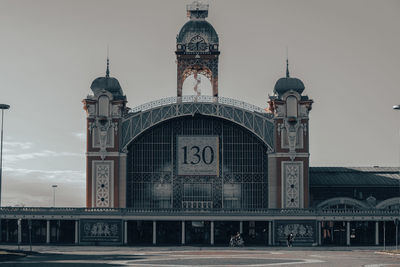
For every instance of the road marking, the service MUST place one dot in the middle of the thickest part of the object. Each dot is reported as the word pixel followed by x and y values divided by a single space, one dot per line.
pixel 317 256
pixel 138 262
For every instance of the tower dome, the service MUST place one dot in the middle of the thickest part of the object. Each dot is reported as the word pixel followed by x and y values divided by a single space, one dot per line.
pixel 288 83
pixel 109 84
pixel 197 49
pixel 197 35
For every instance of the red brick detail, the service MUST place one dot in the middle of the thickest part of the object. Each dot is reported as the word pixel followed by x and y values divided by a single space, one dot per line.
pixel 279 180
pixel 88 182
pixel 89 171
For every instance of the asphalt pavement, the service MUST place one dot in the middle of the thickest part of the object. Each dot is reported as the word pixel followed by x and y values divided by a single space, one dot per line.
pixel 186 256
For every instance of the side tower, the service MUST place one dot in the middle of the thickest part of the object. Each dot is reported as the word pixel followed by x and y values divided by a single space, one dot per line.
pixel 104 163
pixel 289 163
pixel 197 48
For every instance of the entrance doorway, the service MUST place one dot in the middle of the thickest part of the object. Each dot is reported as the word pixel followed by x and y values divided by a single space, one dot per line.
pixel 140 232
pixel 224 230
pixel 255 233
pixel 169 232
pixel 333 233
pixel 197 232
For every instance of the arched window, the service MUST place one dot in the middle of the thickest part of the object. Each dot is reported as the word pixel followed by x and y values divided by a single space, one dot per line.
pixel 103 106
pixel 291 106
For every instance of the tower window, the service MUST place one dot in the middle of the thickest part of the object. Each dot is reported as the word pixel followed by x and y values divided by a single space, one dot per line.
pixel 103 106
pixel 291 106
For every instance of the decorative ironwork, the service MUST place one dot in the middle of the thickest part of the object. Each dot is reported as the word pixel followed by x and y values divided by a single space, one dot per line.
pixel 207 65
pixel 319 214
pixel 200 99
pixel 148 115
pixel 243 158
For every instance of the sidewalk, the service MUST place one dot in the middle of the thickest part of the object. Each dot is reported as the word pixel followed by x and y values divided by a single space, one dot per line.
pixel 72 248
pixel 7 255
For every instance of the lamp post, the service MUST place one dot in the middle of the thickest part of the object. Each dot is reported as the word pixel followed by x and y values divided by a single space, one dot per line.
pixel 2 107
pixel 396 221
pixel 54 194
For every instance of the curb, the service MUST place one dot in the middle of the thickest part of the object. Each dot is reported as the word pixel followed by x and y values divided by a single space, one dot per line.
pixel 387 253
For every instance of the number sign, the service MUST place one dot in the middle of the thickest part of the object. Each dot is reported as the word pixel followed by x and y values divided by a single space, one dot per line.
pixel 198 155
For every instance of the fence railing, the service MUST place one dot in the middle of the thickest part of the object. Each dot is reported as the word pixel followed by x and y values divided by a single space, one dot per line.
pixel 196 211
pixel 198 99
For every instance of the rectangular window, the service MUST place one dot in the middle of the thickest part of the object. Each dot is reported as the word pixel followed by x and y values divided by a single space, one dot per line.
pixel 232 196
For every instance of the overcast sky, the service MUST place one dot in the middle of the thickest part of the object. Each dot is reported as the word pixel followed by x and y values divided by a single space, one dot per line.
pixel 347 53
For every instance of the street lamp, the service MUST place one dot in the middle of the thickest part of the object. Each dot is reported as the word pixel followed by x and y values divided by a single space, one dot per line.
pixel 2 107
pixel 396 221
pixel 54 194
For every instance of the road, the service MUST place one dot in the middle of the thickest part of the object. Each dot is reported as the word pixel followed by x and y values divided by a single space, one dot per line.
pixel 44 256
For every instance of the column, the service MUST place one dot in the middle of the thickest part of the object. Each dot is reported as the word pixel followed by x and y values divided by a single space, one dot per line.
pixel 376 233
pixel 241 227
pixel 348 233
pixel 19 222
pixel 396 222
pixel 384 235
pixel 125 232
pixel 76 232
pixel 270 233
pixel 154 232
pixel 183 233
pixel 319 233
pixel 48 232
pixel 212 233
pixel 7 232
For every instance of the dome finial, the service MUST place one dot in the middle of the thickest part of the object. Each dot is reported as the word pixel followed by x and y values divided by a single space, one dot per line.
pixel 287 63
pixel 197 10
pixel 108 65
pixel 287 68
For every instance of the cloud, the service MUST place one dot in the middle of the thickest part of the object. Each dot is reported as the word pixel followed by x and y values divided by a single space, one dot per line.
pixel 35 192
pixel 21 145
pixel 68 176
pixel 29 173
pixel 80 135
pixel 9 158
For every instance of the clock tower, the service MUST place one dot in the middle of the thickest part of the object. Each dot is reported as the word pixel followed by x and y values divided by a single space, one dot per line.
pixel 197 48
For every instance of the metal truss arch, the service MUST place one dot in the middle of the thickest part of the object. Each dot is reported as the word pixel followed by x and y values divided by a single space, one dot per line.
pixel 142 118
pixel 385 204
pixel 342 200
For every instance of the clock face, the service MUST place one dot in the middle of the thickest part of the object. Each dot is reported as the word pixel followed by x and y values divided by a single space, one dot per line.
pixel 197 43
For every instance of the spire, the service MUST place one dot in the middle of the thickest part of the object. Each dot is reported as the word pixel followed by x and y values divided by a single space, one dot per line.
pixel 108 68
pixel 108 63
pixel 287 68
pixel 287 62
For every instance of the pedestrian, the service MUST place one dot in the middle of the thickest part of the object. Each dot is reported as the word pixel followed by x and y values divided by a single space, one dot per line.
pixel 290 238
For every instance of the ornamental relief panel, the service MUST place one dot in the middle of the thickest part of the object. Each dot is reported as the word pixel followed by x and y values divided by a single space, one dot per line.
pixel 103 183
pixel 100 231
pixel 285 139
pixel 292 136
pixel 116 111
pixel 292 185
pixel 303 231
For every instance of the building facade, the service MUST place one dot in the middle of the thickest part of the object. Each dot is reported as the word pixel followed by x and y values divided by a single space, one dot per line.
pixel 197 169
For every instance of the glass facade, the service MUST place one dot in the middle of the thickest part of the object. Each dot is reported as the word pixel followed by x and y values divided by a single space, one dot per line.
pixel 153 183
